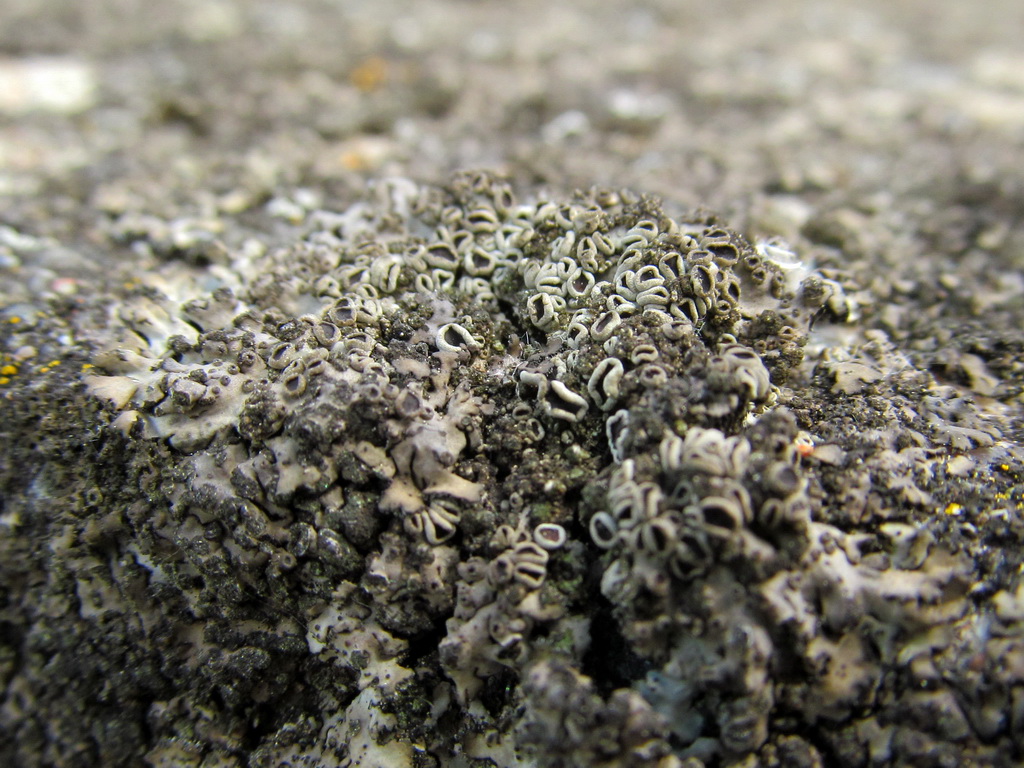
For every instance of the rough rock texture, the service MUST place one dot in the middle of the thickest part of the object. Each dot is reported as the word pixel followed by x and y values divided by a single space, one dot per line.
pixel 319 451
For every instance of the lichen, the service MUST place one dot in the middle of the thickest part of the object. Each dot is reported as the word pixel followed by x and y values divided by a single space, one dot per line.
pixel 460 478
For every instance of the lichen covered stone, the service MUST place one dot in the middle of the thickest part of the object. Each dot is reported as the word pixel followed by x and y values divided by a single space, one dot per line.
pixel 457 478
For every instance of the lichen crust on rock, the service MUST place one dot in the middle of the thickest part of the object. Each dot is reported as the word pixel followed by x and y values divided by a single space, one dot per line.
pixel 457 478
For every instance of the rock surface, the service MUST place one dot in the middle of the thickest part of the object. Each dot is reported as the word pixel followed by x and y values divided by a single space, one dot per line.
pixel 321 449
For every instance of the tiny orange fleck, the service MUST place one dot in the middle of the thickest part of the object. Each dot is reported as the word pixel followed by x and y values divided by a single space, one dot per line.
pixel 14 320
pixel 9 370
pixel 53 363
pixel 953 508
pixel 370 74
pixel 353 161
pixel 4 380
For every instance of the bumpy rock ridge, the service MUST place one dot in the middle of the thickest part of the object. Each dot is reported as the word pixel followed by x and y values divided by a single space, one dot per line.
pixel 458 478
